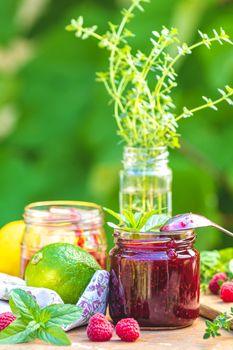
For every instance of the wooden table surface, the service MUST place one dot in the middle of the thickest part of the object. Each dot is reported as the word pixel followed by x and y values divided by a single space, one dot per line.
pixel 189 338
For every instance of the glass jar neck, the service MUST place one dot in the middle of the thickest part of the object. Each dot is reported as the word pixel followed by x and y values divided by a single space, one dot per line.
pixel 154 240
pixel 63 213
pixel 149 158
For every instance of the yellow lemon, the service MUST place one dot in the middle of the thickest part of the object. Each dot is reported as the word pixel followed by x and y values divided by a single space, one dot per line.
pixel 11 236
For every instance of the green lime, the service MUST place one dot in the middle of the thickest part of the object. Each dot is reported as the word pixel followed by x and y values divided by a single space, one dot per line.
pixel 62 267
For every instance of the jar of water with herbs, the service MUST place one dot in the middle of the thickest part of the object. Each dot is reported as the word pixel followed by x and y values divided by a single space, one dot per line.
pixel 78 223
pixel 145 181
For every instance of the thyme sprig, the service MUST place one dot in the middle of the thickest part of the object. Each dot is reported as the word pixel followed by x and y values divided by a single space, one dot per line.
pixel 222 321
pixel 144 113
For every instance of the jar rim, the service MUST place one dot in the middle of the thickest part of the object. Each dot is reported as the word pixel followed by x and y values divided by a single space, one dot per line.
pixel 141 157
pixel 62 202
pixel 153 235
pixel 146 148
pixel 63 211
pixel 132 231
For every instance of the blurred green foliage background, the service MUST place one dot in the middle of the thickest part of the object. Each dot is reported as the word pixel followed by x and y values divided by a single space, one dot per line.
pixel 57 134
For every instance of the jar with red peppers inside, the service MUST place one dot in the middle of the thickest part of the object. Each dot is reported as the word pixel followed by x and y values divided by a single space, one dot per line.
pixel 78 223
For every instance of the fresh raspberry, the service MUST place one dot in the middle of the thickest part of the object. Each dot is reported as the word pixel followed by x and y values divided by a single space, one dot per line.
pixel 6 319
pixel 128 329
pixel 99 328
pixel 214 282
pixel 226 292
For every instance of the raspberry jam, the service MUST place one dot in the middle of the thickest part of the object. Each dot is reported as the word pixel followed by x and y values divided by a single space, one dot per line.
pixel 155 278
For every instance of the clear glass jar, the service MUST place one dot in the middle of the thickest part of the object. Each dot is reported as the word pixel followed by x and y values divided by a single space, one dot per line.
pixel 155 278
pixel 145 181
pixel 78 223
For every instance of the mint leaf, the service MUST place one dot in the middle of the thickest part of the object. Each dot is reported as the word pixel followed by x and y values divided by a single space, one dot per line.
pixel 154 222
pixel 61 314
pixel 112 225
pixel 145 218
pixel 32 322
pixel 114 214
pixel 137 222
pixel 18 332
pixel 130 219
pixel 53 335
pixel 24 305
pixel 138 218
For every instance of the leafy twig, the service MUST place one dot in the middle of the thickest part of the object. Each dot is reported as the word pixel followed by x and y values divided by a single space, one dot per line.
pixel 145 114
pixel 34 323
pixel 222 321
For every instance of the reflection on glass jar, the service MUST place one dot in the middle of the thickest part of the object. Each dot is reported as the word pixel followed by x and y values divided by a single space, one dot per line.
pixel 155 278
pixel 78 223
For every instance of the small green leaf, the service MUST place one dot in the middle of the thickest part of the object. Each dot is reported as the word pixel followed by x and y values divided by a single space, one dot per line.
pixel 154 222
pixel 70 28
pixel 144 219
pixel 114 214
pixel 206 336
pixel 138 217
pixel 130 220
pixel 18 332
pixel 24 305
pixel 14 308
pixel 53 335
pixel 112 225
pixel 220 282
pixel 45 316
pixel 62 314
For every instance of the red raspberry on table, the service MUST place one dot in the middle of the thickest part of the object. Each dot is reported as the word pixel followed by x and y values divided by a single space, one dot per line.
pixel 214 282
pixel 6 319
pixel 99 328
pixel 128 329
pixel 226 292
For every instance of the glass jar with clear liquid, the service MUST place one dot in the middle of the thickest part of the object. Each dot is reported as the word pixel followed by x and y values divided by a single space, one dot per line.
pixel 146 180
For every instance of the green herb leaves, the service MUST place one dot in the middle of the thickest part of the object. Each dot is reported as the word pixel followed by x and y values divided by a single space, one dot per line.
pixel 213 262
pixel 144 112
pixel 24 305
pixel 53 335
pixel 19 332
pixel 137 222
pixel 32 322
pixel 223 321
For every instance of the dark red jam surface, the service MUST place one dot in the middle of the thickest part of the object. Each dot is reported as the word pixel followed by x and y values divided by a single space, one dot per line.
pixel 158 284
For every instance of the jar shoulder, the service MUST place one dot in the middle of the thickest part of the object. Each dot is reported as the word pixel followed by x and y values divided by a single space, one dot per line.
pixel 166 171
pixel 154 254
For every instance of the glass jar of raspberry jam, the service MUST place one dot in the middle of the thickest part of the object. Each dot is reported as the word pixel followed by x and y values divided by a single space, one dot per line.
pixel 78 223
pixel 155 278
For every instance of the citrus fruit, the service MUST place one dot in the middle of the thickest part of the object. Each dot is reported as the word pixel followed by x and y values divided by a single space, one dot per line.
pixel 11 236
pixel 62 267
